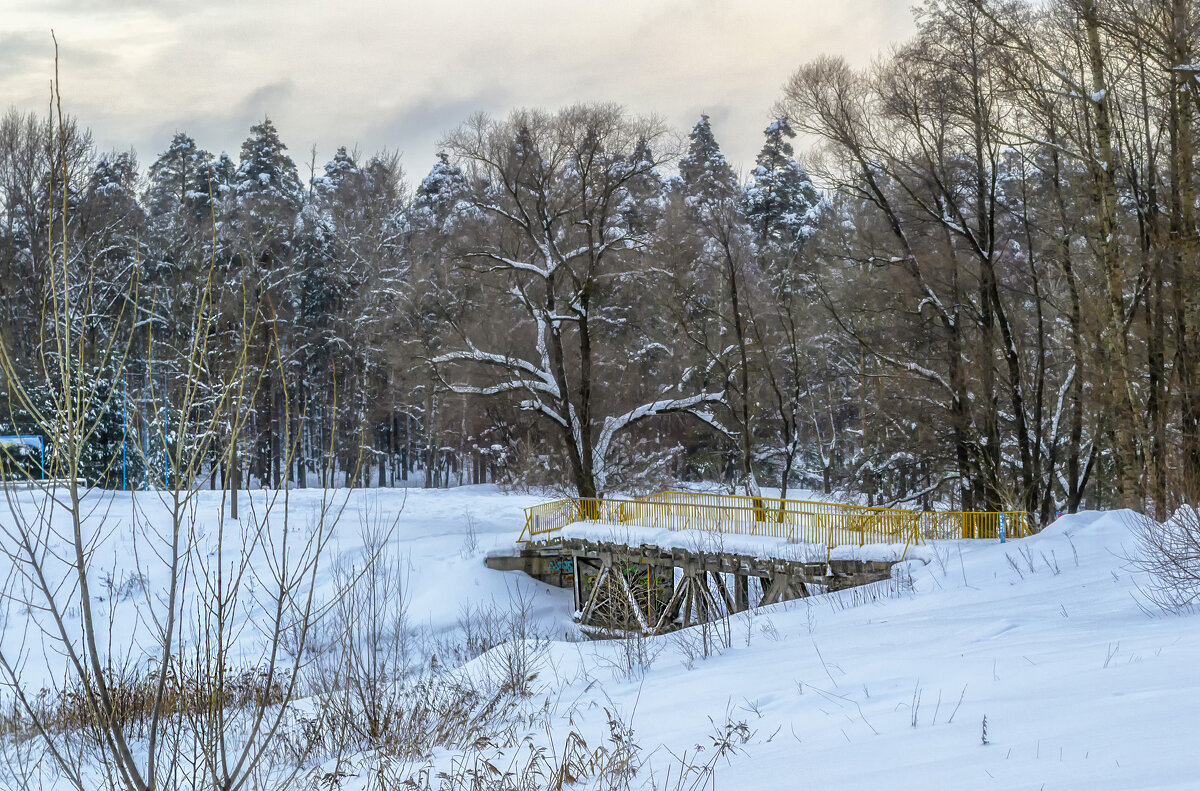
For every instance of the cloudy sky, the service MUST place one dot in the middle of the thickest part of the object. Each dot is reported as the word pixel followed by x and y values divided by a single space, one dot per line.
pixel 398 74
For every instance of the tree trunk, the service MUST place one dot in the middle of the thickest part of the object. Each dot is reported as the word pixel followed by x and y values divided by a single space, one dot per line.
pixel 430 460
pixel 1184 247
pixel 276 449
pixel 1123 405
pixel 746 439
pixel 302 438
pixel 235 479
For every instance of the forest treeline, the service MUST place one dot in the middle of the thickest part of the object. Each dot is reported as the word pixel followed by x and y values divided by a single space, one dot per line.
pixel 980 290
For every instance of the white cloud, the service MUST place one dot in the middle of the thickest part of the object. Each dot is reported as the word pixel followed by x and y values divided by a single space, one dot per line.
pixel 399 74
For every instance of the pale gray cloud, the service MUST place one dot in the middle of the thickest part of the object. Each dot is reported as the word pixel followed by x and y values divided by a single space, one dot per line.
pixel 416 119
pixel 398 74
pixel 19 51
pixel 267 98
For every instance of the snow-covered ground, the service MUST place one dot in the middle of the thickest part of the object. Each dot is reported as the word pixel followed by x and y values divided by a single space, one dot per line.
pixel 881 688
pixel 1080 687
pixel 763 547
pixel 1045 637
pixel 440 535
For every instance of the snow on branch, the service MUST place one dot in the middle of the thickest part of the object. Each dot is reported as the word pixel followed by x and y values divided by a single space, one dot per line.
pixel 540 380
pixel 613 425
pixel 503 262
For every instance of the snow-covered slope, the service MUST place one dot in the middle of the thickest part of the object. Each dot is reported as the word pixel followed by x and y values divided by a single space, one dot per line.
pixel 885 687
pixel 438 537
pixel 1043 637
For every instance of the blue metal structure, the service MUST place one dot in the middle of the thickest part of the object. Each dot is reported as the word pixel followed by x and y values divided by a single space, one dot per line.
pixel 29 440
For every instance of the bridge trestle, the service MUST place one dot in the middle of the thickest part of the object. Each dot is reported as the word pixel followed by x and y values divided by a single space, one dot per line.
pixel 623 589
pixel 651 590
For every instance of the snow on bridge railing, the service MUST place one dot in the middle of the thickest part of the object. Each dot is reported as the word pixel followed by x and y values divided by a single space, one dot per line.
pixel 796 521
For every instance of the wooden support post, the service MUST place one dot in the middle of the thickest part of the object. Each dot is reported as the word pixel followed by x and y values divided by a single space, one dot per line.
pixel 652 599
pixel 767 588
pixel 775 589
pixel 673 605
pixel 593 596
pixel 688 599
pixel 707 610
pixel 577 579
pixel 719 582
pixel 741 593
pixel 633 603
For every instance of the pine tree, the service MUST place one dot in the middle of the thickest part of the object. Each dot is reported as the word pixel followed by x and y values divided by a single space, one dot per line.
pixel 266 198
pixel 711 192
pixel 110 221
pixel 645 198
pixel 439 195
pixel 217 182
pixel 266 184
pixel 704 172
pixel 112 182
pixel 781 203
pixel 178 178
pixel 338 171
pixel 179 210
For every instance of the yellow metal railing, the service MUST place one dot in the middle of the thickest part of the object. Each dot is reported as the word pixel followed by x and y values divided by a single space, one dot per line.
pixel 796 521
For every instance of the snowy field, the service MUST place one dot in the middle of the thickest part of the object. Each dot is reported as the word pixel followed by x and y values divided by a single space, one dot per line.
pixel 884 687
pixel 1080 688
pixel 1045 637
pixel 438 536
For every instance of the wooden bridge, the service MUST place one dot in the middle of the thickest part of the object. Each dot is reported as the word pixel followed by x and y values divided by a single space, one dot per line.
pixel 672 559
pixel 795 521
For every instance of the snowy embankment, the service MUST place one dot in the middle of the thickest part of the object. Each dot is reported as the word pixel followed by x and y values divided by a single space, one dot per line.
pixel 438 539
pixel 1043 637
pixel 878 687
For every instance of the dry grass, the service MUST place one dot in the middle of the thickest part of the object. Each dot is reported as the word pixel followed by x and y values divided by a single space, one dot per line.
pixel 133 692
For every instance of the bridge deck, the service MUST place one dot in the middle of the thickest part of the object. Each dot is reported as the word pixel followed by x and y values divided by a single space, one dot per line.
pixel 705 541
pixel 784 521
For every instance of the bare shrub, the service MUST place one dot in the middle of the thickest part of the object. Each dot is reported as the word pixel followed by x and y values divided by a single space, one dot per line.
pixel 482 627
pixel 518 658
pixel 428 713
pixel 1168 554
pixel 635 654
pixel 473 635
pixel 695 770
pixel 368 648
pixel 470 544
pixel 490 740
